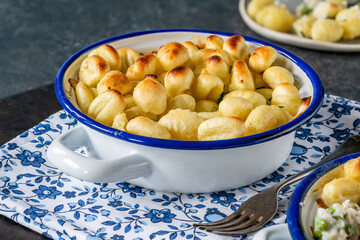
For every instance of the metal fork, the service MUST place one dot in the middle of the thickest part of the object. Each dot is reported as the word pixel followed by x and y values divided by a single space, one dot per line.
pixel 261 208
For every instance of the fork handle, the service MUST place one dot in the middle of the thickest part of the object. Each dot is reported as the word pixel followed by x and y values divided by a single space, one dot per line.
pixel 351 145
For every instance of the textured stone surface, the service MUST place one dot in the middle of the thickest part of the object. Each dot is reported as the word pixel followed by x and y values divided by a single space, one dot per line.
pixel 38 36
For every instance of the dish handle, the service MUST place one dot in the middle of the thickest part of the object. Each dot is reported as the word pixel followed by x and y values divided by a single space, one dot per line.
pixel 60 154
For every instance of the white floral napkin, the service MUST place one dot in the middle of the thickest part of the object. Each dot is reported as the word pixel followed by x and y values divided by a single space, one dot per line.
pixel 39 196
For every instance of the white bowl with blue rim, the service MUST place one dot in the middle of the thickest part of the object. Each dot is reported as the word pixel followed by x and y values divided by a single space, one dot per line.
pixel 173 165
pixel 303 205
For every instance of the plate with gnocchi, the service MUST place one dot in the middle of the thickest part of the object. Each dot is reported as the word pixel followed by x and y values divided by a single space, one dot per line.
pixel 164 104
pixel 327 25
pixel 326 203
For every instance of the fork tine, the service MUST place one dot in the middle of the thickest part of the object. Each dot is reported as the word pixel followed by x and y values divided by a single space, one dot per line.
pixel 242 231
pixel 238 212
pixel 236 221
pixel 234 226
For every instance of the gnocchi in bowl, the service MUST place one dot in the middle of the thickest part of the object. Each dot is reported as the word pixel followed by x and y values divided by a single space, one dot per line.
pixel 184 132
pixel 321 20
pixel 206 88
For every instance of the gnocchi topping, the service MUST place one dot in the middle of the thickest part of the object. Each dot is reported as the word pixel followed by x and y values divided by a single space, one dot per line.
pixel 338 216
pixel 209 89
pixel 322 20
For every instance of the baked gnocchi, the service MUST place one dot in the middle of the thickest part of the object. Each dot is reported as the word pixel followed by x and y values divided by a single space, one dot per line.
pixel 322 20
pixel 211 89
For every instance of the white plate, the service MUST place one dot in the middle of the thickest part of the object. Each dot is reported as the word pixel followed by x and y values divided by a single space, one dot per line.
pixel 275 232
pixel 292 39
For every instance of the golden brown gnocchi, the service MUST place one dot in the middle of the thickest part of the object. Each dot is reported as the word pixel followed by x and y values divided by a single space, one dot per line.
pixel 207 86
pixel 352 169
pixel 178 80
pixel 146 127
pixel 241 77
pixel 275 17
pixel 340 184
pixel 120 121
pixel 216 65
pixel 128 57
pixel 172 54
pixel 275 75
pixel 209 89
pixel 144 65
pixel 106 106
pixel 326 20
pixel 302 26
pixel 182 124
pixel 340 189
pixel 349 20
pixel 206 106
pixel 183 101
pixel 114 80
pixel 236 46
pixel 83 96
pixel 326 30
pixel 92 70
pixel 267 93
pixel 236 107
pixel 254 6
pixel 287 96
pixel 214 42
pixel 255 98
pixel 261 119
pixel 136 111
pixel 219 128
pixel 150 96
pixel 262 58
pixel 110 55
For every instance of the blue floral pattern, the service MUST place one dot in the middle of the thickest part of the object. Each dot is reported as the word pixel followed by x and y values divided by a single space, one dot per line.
pixel 36 194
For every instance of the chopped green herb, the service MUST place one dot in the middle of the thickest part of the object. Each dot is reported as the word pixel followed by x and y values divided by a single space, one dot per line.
pixel 216 108
pixel 141 54
pixel 338 218
pixel 269 99
pixel 115 83
pixel 222 96
pixel 281 106
pixel 261 88
pixel 305 10
pixel 231 67
pixel 302 34
pixel 350 230
pixel 331 210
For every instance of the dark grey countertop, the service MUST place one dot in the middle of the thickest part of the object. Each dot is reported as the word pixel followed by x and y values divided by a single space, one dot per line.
pixel 38 36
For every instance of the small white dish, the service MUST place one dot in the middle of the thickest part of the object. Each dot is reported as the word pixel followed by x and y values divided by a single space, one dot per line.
pixel 292 39
pixel 275 232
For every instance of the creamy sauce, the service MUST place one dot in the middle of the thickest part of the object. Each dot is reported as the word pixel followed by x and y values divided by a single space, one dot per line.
pixel 343 220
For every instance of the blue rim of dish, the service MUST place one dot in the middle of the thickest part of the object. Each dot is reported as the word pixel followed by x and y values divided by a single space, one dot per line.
pixel 293 215
pixel 311 110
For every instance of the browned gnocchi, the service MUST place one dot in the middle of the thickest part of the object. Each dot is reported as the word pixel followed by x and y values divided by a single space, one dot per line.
pixel 340 184
pixel 325 20
pixel 206 90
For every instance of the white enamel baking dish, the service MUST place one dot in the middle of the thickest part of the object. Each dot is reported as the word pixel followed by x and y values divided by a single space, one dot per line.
pixel 171 165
